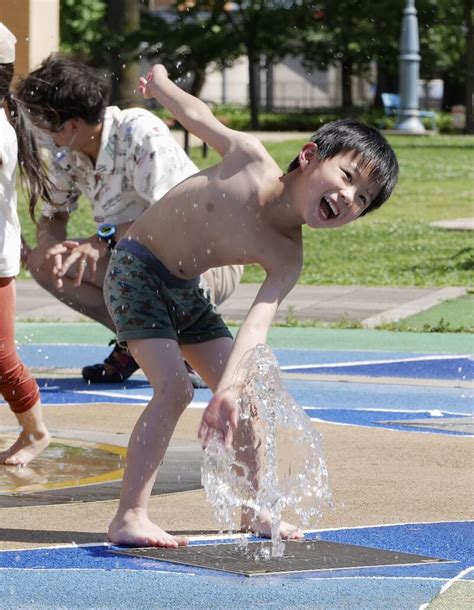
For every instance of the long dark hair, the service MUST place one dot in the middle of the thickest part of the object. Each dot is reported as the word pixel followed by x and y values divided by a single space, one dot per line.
pixel 34 177
pixel 61 89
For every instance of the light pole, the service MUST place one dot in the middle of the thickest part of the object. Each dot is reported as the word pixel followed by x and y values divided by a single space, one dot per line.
pixel 409 117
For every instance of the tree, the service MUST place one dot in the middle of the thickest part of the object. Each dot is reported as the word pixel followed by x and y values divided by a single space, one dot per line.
pixel 219 31
pixel 188 42
pixel 81 29
pixel 469 92
pixel 268 29
pixel 346 37
pixel 123 20
pixel 99 32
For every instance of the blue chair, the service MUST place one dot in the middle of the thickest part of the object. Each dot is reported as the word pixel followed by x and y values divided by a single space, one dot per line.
pixel 391 106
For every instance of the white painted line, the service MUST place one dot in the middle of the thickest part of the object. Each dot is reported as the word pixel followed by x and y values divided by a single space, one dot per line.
pixel 108 394
pixel 388 410
pixel 446 586
pixel 414 307
pixel 459 576
pixel 62 569
pixel 221 537
pixel 328 365
pixel 403 523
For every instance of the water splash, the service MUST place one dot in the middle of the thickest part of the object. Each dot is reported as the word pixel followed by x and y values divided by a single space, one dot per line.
pixel 276 461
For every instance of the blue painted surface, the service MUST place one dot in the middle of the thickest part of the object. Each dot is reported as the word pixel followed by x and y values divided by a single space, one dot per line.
pixel 425 366
pixel 121 589
pixel 320 394
pixel 346 403
pixel 461 368
pixel 365 404
pixel 389 397
pixel 387 420
pixel 91 576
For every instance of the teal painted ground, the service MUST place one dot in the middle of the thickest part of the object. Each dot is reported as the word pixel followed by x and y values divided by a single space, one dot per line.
pixel 301 338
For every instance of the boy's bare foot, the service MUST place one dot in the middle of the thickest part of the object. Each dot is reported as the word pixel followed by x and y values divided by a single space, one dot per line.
pixel 26 447
pixel 135 529
pixel 261 525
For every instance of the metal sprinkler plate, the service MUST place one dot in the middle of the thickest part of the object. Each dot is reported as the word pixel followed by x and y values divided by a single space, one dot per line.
pixel 299 556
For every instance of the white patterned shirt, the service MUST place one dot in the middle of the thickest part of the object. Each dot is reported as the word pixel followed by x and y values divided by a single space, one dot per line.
pixel 10 240
pixel 138 162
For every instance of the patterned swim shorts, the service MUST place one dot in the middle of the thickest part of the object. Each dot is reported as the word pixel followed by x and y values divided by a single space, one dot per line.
pixel 146 301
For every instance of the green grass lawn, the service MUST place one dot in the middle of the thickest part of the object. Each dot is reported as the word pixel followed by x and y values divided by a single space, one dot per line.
pixel 451 316
pixel 394 246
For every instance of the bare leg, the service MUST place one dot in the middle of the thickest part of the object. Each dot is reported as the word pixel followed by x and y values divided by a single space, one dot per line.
pixel 163 365
pixel 33 439
pixel 209 359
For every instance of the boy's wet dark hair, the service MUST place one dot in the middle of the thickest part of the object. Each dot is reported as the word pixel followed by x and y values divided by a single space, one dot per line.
pixel 369 147
pixel 62 89
pixel 33 174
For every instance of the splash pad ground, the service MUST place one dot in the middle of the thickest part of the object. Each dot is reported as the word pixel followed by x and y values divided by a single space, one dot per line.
pixel 395 427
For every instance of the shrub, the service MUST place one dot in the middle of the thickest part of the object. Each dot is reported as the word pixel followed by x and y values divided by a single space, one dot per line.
pixel 238 117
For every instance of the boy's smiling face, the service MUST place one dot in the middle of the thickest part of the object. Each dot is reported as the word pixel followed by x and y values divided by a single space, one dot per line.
pixel 333 192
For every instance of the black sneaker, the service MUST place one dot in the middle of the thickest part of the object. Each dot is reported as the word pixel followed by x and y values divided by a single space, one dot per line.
pixel 118 366
pixel 196 380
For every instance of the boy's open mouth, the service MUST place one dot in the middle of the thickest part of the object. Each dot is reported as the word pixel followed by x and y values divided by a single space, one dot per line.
pixel 329 209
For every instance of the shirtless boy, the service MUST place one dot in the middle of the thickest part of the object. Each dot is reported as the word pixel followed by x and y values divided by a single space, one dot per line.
pixel 242 210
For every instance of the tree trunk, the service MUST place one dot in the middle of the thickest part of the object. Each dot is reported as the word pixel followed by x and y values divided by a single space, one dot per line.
pixel 269 83
pixel 199 78
pixel 254 89
pixel 453 92
pixel 387 82
pixel 346 78
pixel 469 93
pixel 123 17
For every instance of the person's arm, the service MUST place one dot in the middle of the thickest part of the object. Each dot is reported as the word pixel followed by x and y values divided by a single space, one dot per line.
pixel 53 246
pixel 193 114
pixel 221 414
pixel 86 251
pixel 52 230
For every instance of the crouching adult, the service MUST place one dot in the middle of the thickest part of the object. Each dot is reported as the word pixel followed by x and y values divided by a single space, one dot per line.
pixel 123 161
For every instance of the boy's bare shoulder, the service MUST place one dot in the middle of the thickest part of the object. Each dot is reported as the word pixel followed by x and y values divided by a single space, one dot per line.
pixel 250 145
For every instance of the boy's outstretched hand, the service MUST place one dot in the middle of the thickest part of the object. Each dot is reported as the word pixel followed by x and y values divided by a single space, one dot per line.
pixel 146 84
pixel 220 417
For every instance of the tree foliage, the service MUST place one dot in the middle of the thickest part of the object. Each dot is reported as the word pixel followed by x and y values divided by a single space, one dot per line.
pixel 205 32
pixel 195 34
pixel 82 28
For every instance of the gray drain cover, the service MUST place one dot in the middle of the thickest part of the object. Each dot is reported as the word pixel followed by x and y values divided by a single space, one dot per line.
pixel 299 556
pixel 450 424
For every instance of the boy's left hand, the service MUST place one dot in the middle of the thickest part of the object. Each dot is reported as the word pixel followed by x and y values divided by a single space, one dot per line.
pixel 147 83
pixel 220 417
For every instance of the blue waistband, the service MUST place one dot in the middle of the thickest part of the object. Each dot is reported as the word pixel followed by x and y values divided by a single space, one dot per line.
pixel 147 257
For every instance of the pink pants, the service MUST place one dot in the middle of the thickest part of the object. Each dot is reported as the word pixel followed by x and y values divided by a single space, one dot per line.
pixel 17 386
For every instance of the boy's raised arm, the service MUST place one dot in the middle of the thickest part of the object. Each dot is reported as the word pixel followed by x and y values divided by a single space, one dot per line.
pixel 221 415
pixel 193 114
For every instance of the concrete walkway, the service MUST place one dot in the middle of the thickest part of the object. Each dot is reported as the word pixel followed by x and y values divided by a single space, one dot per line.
pixel 370 306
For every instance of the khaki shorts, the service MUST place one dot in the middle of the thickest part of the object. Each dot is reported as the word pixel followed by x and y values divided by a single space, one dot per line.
pixel 146 301
pixel 221 282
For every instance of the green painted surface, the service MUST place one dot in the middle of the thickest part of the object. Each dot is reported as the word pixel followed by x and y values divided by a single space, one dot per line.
pixel 74 333
pixel 296 338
